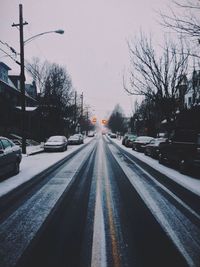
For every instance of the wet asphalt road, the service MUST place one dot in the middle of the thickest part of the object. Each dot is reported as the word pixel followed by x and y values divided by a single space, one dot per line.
pixel 103 220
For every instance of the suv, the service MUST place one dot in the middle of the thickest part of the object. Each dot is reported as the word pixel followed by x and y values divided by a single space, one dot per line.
pixel 181 149
pixel 10 157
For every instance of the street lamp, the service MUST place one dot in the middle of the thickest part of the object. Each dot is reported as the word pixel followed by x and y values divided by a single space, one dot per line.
pixel 37 35
pixel 22 75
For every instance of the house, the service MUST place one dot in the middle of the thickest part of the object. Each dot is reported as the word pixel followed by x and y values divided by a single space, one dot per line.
pixel 31 90
pixel 10 101
pixel 192 97
pixel 181 92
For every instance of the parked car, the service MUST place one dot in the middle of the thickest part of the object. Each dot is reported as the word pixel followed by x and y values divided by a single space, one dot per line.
pixel 113 135
pixel 126 135
pixel 56 143
pixel 129 140
pixel 182 150
pixel 140 143
pixel 81 137
pixel 10 157
pixel 75 139
pixel 91 134
pixel 153 148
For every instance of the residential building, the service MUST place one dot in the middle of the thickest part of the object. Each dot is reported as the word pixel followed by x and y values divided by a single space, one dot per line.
pixel 10 102
pixel 192 96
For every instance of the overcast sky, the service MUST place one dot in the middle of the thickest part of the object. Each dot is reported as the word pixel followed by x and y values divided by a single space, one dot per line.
pixel 93 48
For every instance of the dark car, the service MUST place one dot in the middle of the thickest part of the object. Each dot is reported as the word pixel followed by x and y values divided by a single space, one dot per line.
pixel 140 143
pixel 153 148
pixel 182 150
pixel 129 140
pixel 113 135
pixel 10 157
pixel 126 135
pixel 56 143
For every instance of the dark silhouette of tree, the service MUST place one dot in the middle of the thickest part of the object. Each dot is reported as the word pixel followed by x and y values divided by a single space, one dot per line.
pixel 56 99
pixel 116 120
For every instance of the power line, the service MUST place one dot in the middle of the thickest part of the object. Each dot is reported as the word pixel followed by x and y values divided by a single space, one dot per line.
pixel 10 47
pixel 10 56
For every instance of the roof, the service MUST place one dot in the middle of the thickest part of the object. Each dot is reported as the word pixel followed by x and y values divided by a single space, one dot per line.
pixel 5 66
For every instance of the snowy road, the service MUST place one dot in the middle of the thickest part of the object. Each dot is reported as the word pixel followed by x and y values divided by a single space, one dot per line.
pixel 101 208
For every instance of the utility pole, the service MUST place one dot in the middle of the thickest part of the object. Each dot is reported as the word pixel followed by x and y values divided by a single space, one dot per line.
pixel 87 119
pixel 22 76
pixel 81 122
pixel 81 105
pixel 75 107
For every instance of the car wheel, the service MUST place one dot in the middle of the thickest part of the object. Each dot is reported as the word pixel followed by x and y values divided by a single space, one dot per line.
pixel 16 168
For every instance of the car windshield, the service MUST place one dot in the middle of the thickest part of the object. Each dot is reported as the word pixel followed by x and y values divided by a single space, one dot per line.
pixel 74 137
pixel 55 139
pixel 132 137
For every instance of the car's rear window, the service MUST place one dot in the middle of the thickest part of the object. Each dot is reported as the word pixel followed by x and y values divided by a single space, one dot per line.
pixel 55 139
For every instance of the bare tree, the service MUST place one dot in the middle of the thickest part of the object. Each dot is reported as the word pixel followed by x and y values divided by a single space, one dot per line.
pixel 156 77
pixel 55 100
pixel 187 20
pixel 58 86
pixel 38 72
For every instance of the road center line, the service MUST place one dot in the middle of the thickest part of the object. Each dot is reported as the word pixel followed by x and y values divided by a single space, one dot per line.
pixel 99 243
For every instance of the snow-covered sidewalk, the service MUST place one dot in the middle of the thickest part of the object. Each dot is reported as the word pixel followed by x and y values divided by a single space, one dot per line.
pixel 188 182
pixel 31 150
pixel 32 165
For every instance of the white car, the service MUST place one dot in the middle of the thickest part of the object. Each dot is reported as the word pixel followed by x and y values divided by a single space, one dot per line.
pixel 56 143
pixel 76 139
pixel 91 134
